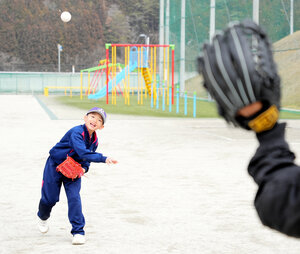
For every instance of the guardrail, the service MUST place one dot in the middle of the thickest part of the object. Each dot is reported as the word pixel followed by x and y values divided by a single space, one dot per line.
pixel 65 89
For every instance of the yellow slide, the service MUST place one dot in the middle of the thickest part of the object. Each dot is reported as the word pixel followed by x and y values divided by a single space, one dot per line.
pixel 147 78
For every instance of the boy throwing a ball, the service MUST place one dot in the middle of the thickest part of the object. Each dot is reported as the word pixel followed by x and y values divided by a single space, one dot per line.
pixel 79 143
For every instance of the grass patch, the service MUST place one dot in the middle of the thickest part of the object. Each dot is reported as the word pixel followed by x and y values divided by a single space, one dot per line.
pixel 204 109
pixel 285 114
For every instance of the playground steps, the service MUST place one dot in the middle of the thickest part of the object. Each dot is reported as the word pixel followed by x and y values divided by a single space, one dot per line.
pixel 147 78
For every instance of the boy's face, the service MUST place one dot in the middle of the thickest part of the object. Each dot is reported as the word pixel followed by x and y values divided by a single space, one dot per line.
pixel 93 122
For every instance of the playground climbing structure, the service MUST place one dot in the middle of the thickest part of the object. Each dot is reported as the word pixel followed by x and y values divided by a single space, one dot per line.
pixel 140 72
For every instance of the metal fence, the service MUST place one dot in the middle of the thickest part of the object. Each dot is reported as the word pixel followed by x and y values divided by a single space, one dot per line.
pixel 56 82
pixel 35 82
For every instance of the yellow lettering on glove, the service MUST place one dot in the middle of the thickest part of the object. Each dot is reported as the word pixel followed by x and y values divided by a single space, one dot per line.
pixel 266 120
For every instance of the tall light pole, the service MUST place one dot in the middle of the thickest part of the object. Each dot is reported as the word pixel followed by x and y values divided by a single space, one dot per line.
pixel 161 37
pixel 256 11
pixel 292 17
pixel 182 47
pixel 167 26
pixel 147 40
pixel 212 22
pixel 59 49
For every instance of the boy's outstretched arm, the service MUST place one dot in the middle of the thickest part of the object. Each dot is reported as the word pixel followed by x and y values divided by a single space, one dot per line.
pixel 110 161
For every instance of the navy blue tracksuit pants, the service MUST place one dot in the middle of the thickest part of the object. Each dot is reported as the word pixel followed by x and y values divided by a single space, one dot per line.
pixel 52 181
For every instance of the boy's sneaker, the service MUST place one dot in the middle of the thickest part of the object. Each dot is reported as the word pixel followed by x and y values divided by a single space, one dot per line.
pixel 43 225
pixel 78 239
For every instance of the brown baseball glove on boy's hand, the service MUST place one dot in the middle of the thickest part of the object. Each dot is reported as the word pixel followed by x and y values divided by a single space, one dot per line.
pixel 70 168
pixel 238 71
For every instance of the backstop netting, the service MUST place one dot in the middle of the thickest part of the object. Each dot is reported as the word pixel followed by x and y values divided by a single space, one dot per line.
pixel 274 16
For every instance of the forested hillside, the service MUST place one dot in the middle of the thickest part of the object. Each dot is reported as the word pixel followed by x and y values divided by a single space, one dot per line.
pixel 31 29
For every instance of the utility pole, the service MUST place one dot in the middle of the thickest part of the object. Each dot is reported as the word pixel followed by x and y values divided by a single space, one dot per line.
pixel 212 22
pixel 161 38
pixel 167 27
pixel 256 11
pixel 147 40
pixel 182 47
pixel 59 49
pixel 292 18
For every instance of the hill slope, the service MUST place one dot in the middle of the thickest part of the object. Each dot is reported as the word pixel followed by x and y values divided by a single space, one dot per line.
pixel 287 57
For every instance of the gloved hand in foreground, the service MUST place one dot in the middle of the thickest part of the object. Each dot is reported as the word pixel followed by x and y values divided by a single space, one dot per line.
pixel 240 74
pixel 239 70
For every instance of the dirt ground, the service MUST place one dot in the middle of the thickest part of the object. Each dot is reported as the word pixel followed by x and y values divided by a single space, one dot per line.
pixel 181 186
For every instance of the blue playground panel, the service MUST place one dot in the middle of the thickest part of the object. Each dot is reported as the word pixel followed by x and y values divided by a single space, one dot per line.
pixel 102 92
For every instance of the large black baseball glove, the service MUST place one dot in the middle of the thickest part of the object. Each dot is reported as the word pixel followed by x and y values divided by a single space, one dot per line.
pixel 238 70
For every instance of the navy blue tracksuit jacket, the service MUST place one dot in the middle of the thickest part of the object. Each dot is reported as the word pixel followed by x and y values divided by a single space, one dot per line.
pixel 78 144
pixel 278 177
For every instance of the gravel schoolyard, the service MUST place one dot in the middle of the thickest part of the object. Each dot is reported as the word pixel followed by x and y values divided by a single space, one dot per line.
pixel 181 185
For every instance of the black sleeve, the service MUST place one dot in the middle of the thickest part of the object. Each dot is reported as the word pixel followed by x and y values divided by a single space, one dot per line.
pixel 278 198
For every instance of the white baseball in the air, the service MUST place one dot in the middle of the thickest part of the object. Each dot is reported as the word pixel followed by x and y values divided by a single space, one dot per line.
pixel 65 16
